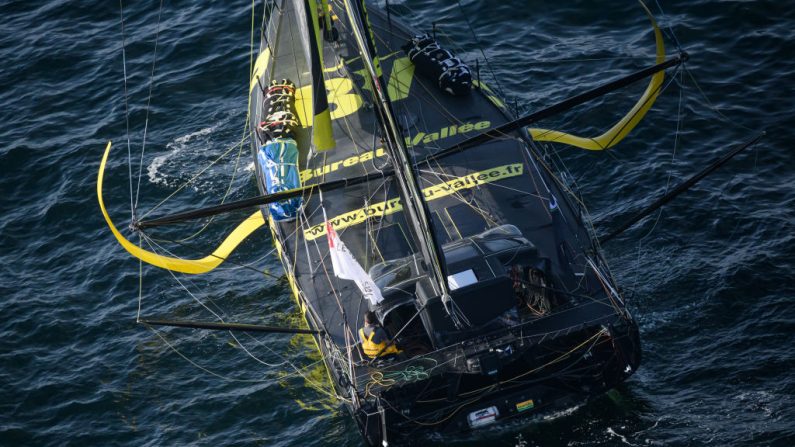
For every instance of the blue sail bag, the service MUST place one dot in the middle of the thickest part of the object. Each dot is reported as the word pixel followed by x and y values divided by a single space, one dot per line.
pixel 278 159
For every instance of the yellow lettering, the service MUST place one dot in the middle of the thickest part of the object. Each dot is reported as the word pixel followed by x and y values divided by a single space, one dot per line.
pixel 431 137
pixel 445 132
pixel 367 156
pixel 310 173
pixel 343 101
pixel 434 192
pixel 400 79
pixel 482 125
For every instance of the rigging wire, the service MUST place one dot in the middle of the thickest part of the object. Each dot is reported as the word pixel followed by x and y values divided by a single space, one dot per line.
pixel 239 145
pixel 670 28
pixel 246 125
pixel 197 300
pixel 215 314
pixel 677 134
pixel 208 371
pixel 148 102
pixel 224 259
pixel 480 48
pixel 196 176
pixel 589 59
pixel 126 107
pixel 712 106
pixel 230 182
pixel 588 222
pixel 224 197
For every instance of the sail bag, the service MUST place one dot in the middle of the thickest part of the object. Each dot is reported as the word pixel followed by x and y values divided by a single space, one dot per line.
pixel 278 159
pixel 446 69
pixel 279 103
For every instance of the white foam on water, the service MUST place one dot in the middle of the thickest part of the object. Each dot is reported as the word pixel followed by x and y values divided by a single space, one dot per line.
pixel 623 438
pixel 175 148
pixel 561 413
pixel 758 401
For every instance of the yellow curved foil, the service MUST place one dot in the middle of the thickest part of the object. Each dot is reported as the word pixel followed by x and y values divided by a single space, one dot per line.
pixel 628 122
pixel 193 266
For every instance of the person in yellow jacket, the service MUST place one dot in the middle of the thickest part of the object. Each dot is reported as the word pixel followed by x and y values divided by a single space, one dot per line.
pixel 374 338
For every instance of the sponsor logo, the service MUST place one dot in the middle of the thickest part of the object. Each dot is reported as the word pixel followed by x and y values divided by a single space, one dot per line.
pixel 421 137
pixel 446 132
pixel 307 174
pixel 433 192
pixel 526 405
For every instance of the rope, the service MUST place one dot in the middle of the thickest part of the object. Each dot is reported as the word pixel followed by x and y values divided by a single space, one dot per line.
pixel 437 422
pixel 526 373
pixel 411 373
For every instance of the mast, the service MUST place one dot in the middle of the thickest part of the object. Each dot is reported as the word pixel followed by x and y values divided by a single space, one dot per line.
pixel 404 173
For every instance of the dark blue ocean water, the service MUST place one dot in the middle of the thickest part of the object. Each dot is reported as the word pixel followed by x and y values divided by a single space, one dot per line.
pixel 710 277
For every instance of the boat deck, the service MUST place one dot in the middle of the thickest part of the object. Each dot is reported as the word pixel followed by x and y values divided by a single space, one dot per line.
pixel 467 193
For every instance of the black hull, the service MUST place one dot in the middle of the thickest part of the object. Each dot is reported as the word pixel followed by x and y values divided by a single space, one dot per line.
pixel 584 374
pixel 515 362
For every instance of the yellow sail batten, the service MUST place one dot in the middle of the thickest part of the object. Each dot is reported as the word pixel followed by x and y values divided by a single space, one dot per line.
pixel 322 137
pixel 326 10
pixel 322 134
pixel 193 266
pixel 628 122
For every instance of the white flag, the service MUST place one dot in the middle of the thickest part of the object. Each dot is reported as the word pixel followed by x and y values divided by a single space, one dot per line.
pixel 346 267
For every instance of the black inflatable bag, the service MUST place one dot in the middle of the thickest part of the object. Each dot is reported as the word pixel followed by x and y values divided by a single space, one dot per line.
pixel 450 73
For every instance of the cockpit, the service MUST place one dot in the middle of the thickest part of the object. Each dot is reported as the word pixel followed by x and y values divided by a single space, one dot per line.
pixel 497 279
